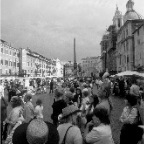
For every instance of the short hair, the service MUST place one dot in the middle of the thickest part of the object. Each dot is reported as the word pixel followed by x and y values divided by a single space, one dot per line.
pixel 37 132
pixel 85 93
pixel 69 96
pixel 58 92
pixel 102 114
pixel 16 101
pixel 132 99
pixel 28 97
pixel 39 102
pixel 72 89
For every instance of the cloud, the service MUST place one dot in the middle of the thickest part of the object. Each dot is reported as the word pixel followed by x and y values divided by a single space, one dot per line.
pixel 49 26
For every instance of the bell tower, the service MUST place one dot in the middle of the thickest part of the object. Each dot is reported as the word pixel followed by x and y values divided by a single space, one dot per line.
pixel 118 19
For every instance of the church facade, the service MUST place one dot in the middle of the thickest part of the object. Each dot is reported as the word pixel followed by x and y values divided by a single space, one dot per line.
pixel 121 50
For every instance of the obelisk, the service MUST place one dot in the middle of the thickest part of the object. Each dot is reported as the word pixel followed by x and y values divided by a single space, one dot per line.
pixel 75 63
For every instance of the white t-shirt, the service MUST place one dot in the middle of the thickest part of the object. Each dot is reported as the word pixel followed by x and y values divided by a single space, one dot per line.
pixel 39 111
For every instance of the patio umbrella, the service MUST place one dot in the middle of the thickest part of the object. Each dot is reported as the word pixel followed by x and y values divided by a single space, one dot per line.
pixel 129 73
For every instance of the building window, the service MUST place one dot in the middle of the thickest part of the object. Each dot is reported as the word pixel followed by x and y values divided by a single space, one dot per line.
pixel 10 52
pixel 14 64
pixel 119 22
pixel 6 62
pixel 127 32
pixel 1 62
pixel 14 53
pixel 9 63
pixel 127 45
pixel 138 41
pixel 18 54
pixel 127 59
pixel 1 50
pixel 18 64
pixel 138 32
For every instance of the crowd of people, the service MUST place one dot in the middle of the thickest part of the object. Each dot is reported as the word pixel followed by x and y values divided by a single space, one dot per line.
pixel 79 116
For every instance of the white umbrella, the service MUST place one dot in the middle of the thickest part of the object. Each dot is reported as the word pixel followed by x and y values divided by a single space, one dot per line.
pixel 128 73
pixel 141 74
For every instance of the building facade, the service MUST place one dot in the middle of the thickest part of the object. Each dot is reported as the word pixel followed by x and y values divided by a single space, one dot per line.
pixel 59 68
pixel 104 49
pixel 125 54
pixel 108 44
pixel 34 64
pixel 139 48
pixel 9 59
pixel 91 65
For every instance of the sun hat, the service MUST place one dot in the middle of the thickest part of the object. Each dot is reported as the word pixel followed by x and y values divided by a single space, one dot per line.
pixel 21 132
pixel 69 110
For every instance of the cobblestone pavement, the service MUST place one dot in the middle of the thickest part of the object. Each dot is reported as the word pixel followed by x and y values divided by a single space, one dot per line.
pixel 118 105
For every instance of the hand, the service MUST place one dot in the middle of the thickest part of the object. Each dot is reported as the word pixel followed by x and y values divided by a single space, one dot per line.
pixel 90 124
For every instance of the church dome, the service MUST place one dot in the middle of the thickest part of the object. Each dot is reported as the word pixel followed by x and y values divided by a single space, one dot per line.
pixel 131 14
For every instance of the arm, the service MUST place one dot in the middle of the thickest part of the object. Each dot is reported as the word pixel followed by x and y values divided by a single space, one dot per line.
pixel 27 114
pixel 92 137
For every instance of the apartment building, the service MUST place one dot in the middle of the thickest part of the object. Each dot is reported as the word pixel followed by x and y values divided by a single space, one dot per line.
pixel 9 59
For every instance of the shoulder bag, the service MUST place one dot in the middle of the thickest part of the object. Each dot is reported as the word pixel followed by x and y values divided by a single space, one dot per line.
pixel 63 142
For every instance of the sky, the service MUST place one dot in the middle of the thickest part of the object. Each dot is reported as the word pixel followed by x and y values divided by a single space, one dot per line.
pixel 50 26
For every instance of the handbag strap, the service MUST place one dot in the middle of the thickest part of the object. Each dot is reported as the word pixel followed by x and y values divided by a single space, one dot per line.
pixel 63 142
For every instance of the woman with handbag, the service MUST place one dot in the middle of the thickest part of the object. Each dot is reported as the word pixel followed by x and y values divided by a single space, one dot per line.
pixel 68 131
pixel 130 132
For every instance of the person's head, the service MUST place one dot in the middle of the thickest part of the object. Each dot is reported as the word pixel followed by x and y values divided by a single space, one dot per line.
pixel 85 85
pixel 100 116
pixel 58 93
pixel 36 132
pixel 70 114
pixel 28 97
pixel 85 92
pixel 102 93
pixel 68 97
pixel 39 102
pixel 78 91
pixel 131 100
pixel 93 99
pixel 15 101
pixel 72 90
